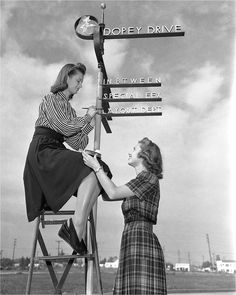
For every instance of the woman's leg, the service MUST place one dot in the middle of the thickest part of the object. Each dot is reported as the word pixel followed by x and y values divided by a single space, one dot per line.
pixel 88 192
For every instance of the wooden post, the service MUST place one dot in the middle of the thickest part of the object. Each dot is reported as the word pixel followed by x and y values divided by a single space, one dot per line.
pixel 97 134
pixel 97 139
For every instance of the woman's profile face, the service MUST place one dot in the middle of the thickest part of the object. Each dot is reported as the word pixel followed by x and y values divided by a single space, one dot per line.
pixel 75 82
pixel 133 158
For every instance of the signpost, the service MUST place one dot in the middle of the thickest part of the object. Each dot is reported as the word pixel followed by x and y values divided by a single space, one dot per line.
pixel 88 28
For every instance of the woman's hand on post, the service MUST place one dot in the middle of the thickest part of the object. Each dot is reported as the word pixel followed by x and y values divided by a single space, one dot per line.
pixel 90 161
pixel 92 111
pixel 92 123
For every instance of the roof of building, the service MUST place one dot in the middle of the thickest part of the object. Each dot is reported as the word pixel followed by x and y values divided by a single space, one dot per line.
pixel 227 261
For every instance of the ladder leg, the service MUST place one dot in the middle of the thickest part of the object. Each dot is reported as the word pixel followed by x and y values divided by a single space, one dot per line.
pixel 31 268
pixel 48 262
pixel 66 272
pixel 86 262
pixel 95 251
pixel 89 264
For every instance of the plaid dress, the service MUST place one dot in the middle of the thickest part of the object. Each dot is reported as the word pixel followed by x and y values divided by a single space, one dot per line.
pixel 141 268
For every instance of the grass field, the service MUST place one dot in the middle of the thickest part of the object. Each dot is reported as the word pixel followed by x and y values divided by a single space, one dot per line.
pixel 15 283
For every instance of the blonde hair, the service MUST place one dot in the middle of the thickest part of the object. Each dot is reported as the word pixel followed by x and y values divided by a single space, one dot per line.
pixel 67 70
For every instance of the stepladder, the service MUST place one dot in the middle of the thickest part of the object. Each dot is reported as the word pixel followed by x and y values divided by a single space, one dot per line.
pixel 45 219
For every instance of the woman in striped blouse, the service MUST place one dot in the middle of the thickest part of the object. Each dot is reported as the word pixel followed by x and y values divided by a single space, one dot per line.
pixel 54 173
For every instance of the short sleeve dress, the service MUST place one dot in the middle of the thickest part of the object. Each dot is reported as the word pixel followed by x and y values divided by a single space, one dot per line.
pixel 141 268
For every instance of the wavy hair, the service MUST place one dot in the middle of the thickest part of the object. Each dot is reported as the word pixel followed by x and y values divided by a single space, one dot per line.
pixel 67 70
pixel 151 155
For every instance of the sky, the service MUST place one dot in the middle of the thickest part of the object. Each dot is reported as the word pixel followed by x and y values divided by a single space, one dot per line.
pixel 194 132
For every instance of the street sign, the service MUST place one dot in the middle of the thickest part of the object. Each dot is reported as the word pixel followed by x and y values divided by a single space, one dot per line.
pixel 87 28
pixel 84 29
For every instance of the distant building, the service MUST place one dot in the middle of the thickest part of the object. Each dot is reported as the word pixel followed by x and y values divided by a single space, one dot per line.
pixel 112 264
pixel 16 265
pixel 182 267
pixel 228 266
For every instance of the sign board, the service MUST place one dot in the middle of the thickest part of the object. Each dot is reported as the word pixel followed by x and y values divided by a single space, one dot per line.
pixel 88 28
pixel 85 25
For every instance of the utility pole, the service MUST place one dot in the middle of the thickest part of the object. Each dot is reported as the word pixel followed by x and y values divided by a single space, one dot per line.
pixel 209 248
pixel 58 247
pixel 14 247
pixel 1 251
pixel 213 259
pixel 189 260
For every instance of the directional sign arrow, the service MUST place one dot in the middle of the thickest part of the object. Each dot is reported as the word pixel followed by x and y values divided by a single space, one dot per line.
pixel 131 114
pixel 131 99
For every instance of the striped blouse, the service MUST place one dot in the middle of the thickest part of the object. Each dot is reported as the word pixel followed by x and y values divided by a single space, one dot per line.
pixel 55 112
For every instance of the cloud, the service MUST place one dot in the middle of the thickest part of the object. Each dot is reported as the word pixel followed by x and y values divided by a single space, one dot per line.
pixel 201 89
pixel 116 52
pixel 6 14
pixel 24 83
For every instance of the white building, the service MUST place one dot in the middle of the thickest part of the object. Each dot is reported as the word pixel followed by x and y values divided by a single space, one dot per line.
pixel 228 266
pixel 113 264
pixel 182 266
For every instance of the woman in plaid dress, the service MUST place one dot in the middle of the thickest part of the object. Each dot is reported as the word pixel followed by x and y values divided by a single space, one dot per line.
pixel 141 265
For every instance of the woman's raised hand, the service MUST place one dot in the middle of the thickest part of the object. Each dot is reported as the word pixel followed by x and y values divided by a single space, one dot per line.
pixel 90 161
pixel 92 111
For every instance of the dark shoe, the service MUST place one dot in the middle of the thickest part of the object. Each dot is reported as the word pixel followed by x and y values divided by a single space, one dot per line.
pixel 69 235
pixel 78 246
pixel 64 233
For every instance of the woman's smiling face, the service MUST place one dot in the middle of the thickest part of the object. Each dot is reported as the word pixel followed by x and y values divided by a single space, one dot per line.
pixel 133 158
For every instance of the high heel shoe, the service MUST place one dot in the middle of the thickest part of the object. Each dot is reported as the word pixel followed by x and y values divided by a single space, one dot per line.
pixel 69 235
pixel 64 233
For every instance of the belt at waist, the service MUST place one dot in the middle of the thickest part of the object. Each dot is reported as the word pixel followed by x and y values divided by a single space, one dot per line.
pixel 133 215
pixel 143 223
pixel 45 131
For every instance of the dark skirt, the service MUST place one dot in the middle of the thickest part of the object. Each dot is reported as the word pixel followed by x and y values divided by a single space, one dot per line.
pixel 52 172
pixel 141 268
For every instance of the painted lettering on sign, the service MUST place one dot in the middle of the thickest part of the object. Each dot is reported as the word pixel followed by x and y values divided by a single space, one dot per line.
pixel 140 30
pixel 142 109
pixel 140 80
pixel 130 95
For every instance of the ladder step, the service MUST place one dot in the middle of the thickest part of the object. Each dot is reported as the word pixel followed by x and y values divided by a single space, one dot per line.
pixel 66 257
pixel 62 212
pixel 59 221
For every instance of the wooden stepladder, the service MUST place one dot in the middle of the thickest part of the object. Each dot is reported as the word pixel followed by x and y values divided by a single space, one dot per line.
pixel 69 259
